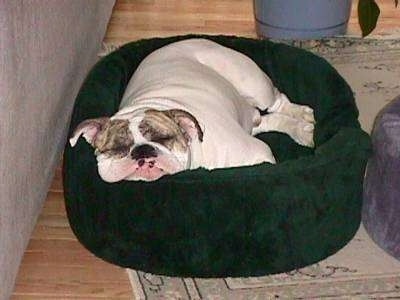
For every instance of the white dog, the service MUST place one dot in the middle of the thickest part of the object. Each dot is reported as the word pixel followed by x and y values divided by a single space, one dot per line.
pixel 192 104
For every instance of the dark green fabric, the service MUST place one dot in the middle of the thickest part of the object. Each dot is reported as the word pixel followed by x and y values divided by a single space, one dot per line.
pixel 229 222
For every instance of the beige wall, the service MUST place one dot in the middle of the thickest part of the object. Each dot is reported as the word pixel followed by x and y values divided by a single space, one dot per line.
pixel 46 49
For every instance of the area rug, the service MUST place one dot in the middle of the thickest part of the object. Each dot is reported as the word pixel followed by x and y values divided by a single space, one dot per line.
pixel 361 270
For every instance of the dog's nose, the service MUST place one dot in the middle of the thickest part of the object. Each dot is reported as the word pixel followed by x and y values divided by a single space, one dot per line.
pixel 143 151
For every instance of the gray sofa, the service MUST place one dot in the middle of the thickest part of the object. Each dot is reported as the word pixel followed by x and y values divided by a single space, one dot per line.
pixel 46 49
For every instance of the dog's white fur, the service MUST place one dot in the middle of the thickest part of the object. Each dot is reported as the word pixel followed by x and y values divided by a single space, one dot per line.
pixel 224 90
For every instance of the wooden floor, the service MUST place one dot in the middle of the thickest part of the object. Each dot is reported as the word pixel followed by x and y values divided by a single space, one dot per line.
pixel 136 19
pixel 55 265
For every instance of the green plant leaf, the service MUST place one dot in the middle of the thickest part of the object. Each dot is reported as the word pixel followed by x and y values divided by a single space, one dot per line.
pixel 368 14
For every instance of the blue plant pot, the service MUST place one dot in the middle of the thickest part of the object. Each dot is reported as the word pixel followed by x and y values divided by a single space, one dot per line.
pixel 301 19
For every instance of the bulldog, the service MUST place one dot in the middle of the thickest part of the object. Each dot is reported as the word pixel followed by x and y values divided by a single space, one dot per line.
pixel 191 104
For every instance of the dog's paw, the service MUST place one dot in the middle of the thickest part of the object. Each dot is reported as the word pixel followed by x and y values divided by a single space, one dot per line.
pixel 307 114
pixel 300 112
pixel 304 134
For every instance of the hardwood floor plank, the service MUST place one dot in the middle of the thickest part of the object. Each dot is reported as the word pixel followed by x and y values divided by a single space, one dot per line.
pixel 53 220
pixel 54 207
pixel 71 274
pixel 54 245
pixel 56 185
pixel 64 273
pixel 73 289
pixel 65 297
pixel 53 233
pixel 61 259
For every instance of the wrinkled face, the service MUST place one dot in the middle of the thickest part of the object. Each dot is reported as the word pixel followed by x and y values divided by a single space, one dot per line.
pixel 142 148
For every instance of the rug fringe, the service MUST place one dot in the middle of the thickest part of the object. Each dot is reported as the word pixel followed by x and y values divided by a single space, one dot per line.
pixel 136 285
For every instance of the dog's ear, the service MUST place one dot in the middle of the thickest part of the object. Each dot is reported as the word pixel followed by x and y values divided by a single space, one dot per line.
pixel 89 129
pixel 187 122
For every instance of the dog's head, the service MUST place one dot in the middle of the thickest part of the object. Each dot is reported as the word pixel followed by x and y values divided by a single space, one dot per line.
pixel 141 146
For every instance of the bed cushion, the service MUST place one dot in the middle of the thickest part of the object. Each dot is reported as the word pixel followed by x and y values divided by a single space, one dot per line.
pixel 243 221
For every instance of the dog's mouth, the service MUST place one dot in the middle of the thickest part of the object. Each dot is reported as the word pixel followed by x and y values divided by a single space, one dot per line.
pixel 144 168
pixel 148 169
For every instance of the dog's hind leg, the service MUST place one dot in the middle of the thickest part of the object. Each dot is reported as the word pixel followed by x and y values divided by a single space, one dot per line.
pixel 246 76
pixel 300 131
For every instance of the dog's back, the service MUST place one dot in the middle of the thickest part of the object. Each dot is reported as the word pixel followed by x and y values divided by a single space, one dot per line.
pixel 193 75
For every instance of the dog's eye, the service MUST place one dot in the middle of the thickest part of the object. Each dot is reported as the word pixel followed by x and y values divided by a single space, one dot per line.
pixel 161 139
pixel 120 151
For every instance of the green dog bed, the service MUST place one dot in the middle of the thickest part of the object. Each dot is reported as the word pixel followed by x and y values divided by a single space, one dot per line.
pixel 243 221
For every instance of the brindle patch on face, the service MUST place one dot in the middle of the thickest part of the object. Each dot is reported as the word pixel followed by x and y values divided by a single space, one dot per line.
pixel 115 138
pixel 158 127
